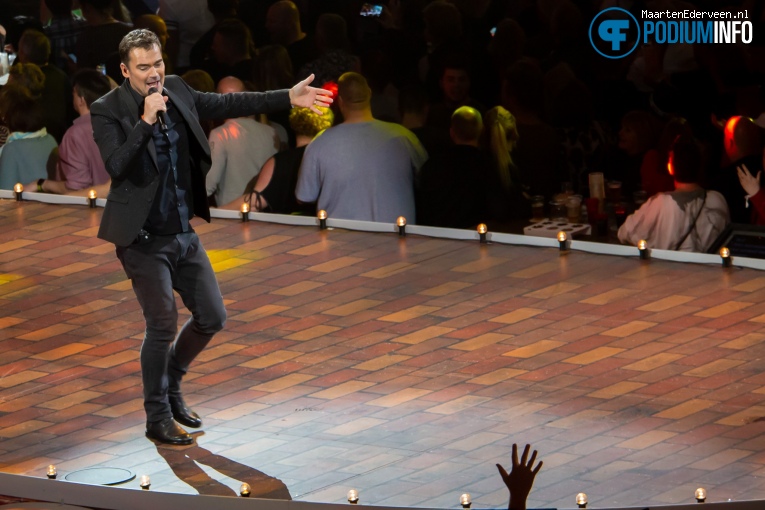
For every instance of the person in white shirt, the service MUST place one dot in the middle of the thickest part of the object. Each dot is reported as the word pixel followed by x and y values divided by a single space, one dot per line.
pixel 687 219
pixel 239 148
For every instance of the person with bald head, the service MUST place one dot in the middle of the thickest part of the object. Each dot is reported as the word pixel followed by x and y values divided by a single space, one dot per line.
pixel 283 27
pixel 239 148
pixel 362 169
pixel 453 190
pixel 743 143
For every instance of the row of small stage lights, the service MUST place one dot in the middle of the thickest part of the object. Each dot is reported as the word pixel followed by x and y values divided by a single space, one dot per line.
pixel 18 189
pixel 482 229
pixel 353 495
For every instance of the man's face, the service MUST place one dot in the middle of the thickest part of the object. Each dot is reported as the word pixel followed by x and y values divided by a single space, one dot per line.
pixel 456 85
pixel 145 69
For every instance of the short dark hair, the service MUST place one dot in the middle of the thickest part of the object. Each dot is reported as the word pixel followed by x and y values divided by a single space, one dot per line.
pixel 687 160
pixel 139 38
pixel 457 61
pixel 90 85
pixel 20 111
pixel 353 89
pixel 36 46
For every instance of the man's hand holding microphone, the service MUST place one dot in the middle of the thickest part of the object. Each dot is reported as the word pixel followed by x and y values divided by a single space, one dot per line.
pixel 154 108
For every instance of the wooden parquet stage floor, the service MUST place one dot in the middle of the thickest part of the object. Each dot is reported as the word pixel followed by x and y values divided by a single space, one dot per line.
pixel 404 368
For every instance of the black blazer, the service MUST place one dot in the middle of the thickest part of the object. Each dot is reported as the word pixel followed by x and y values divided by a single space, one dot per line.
pixel 128 151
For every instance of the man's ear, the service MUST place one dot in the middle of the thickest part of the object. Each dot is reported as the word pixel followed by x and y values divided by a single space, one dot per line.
pixel 124 70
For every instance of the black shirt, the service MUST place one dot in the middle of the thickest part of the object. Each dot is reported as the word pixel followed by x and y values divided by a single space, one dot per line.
pixel 172 207
pixel 280 191
pixel 725 180
pixel 454 188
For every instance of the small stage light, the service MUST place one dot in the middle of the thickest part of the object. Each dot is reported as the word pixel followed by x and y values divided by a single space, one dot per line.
pixel 51 473
pixel 353 496
pixel 401 223
pixel 92 198
pixel 245 210
pixel 581 500
pixel 563 240
pixel 322 215
pixel 145 482
pixel 244 490
pixel 700 495
pixel 643 248
pixel 466 500
pixel 482 229
pixel 18 188
pixel 725 255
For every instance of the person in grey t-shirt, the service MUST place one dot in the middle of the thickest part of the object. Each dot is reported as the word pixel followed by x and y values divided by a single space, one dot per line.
pixel 362 169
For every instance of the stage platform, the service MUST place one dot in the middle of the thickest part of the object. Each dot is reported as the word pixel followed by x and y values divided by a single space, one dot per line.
pixel 402 367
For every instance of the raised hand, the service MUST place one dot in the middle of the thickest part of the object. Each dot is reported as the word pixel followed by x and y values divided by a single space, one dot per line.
pixel 750 183
pixel 521 477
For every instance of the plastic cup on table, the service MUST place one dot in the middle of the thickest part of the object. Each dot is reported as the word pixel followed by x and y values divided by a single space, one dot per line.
pixel 574 208
pixel 537 208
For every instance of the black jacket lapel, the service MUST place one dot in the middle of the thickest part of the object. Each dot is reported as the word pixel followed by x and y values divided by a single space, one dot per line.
pixel 131 112
pixel 191 120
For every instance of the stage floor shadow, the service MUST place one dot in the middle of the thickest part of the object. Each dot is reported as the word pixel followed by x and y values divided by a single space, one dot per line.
pixel 402 367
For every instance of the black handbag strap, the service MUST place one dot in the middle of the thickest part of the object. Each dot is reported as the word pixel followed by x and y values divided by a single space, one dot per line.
pixel 258 201
pixel 693 225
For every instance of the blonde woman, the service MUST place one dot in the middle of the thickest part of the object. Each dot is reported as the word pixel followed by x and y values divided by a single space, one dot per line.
pixel 273 189
pixel 500 138
pixel 508 199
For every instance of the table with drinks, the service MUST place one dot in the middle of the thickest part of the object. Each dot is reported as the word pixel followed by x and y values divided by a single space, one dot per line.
pixel 597 217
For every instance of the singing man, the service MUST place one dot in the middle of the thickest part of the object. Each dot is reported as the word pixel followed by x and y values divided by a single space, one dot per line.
pixel 157 155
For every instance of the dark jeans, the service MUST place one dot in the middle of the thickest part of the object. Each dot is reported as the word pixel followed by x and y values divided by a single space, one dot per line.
pixel 156 266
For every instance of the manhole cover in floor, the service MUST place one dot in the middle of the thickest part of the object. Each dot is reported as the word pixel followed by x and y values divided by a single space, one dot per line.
pixel 100 476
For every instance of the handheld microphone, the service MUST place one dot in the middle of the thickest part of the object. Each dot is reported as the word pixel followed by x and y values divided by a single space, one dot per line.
pixel 160 114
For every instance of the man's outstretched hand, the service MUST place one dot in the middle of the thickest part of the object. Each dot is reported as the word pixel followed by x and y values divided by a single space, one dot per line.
pixel 310 97
pixel 521 477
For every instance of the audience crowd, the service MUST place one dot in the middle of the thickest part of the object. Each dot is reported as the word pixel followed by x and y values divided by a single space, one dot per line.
pixel 448 112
